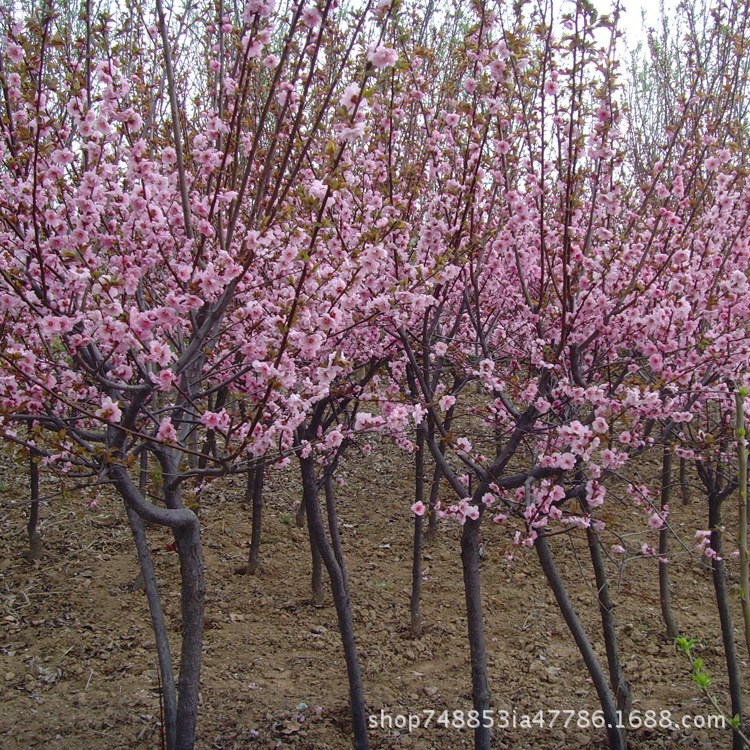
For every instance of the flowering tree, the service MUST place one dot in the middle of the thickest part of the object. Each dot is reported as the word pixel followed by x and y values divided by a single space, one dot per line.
pixel 575 295
pixel 177 243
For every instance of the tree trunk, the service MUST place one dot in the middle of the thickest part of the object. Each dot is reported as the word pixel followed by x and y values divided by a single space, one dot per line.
pixel 255 490
pixel 664 594
pixel 36 548
pixel 416 567
pixel 341 601
pixel 169 693
pixel 333 527
pixel 725 613
pixel 193 594
pixel 685 490
pixel 617 681
pixel 186 529
pixel 615 735
pixel 316 576
pixel 472 588
pixel 742 521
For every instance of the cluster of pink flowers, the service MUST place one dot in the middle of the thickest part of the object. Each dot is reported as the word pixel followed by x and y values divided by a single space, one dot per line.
pixel 423 236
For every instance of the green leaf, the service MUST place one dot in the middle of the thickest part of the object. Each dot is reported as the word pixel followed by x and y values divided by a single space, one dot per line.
pixel 685 645
pixel 702 680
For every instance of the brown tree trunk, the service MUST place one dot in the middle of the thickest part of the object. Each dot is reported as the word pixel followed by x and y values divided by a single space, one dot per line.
pixel 617 681
pixel 416 566
pixel 606 699
pixel 341 601
pixel 721 591
pixel 480 689
pixel 36 548
pixel 255 490
pixel 665 596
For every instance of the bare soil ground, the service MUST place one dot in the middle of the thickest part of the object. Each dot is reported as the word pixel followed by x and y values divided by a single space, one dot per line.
pixel 78 666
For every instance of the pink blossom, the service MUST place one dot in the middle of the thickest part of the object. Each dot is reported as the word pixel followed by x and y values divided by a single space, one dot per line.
pixel 164 379
pixel 595 493
pixel 463 444
pixel 210 419
pixel 682 416
pixel 311 17
pixel 166 432
pixel 110 410
pixel 656 362
pixel 418 414
pixel 599 425
pixel 254 50
pixel 382 56
pixel 334 439
pixel 618 549
pixel 556 494
pixel 418 508
pixel 169 156
pixel 446 402
pixel 133 121
pixel 542 405
pixel 159 354
pixel 497 70
pixel 309 344
pixel 318 189
pixel 609 459
pixel 14 52
pixel 655 521
pixel 270 61
pixel 50 326
pixel 365 421
pixel 263 8
pixel 350 98
pixel 472 512
pixel 351 134
pixel 567 461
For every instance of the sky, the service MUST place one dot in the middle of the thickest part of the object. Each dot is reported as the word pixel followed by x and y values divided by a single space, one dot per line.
pixel 632 24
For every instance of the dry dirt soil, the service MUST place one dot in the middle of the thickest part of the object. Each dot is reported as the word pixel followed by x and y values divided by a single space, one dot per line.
pixel 77 659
